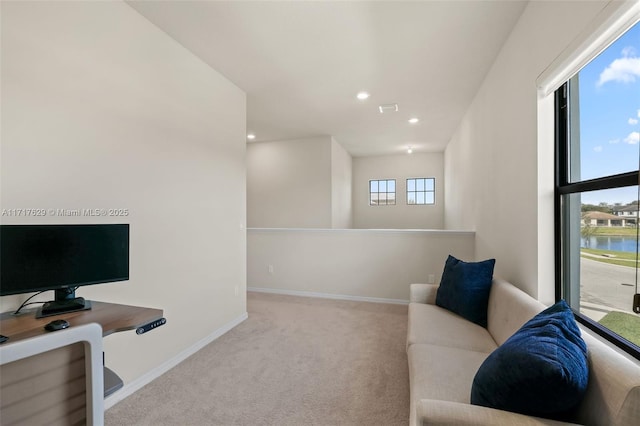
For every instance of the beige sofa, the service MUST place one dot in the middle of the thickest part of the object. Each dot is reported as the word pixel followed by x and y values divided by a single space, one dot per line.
pixel 445 351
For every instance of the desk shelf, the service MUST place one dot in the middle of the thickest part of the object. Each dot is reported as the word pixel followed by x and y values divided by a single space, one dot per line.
pixel 112 318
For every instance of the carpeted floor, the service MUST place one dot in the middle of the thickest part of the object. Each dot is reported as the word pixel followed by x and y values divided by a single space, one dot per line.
pixel 295 361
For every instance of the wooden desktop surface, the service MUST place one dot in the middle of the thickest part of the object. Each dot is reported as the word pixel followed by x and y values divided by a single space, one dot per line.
pixel 111 316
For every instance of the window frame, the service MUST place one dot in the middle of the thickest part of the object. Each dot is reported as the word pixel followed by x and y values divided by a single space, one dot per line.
pixel 425 191
pixel 394 192
pixel 563 186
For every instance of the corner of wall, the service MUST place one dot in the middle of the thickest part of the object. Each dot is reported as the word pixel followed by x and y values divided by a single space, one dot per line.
pixel 341 184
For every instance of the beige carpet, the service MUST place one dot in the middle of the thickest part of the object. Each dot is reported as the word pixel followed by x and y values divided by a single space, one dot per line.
pixel 295 361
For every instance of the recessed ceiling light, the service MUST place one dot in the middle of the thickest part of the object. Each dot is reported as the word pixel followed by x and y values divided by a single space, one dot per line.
pixel 251 136
pixel 413 120
pixel 362 96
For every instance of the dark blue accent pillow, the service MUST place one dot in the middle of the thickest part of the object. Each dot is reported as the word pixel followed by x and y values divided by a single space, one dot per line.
pixel 464 288
pixel 541 370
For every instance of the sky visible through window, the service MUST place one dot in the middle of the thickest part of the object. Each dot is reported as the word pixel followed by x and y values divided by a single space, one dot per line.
pixel 610 116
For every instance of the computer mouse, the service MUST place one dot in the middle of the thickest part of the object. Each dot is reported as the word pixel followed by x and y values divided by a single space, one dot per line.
pixel 56 325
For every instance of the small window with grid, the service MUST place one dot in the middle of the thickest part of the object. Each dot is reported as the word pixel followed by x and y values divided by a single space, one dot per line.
pixel 421 191
pixel 382 192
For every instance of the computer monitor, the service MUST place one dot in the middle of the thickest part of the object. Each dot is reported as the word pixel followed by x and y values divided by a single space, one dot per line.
pixel 62 258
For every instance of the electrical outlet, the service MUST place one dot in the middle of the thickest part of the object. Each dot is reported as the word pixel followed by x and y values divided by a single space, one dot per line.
pixel 270 269
pixel 431 279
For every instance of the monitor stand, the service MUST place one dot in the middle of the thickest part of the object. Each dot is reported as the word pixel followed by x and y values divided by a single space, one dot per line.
pixel 63 305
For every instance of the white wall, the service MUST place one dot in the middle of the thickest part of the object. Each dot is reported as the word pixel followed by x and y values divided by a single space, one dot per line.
pixel 101 109
pixel 399 167
pixel 491 164
pixel 341 175
pixel 353 262
pixel 289 183
pixel 315 183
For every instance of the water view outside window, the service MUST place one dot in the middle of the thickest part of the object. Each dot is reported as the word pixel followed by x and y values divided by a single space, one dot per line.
pixel 608 243
pixel 382 192
pixel 600 210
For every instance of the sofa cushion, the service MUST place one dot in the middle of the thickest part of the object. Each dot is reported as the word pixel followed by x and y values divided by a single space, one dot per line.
pixel 541 370
pixel 439 372
pixel 509 309
pixel 464 288
pixel 437 326
pixel 447 413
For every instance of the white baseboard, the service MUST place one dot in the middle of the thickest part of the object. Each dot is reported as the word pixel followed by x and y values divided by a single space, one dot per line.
pixel 328 295
pixel 130 388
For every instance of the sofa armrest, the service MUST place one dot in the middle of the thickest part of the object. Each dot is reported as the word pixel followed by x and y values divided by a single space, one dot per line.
pixel 445 413
pixel 423 293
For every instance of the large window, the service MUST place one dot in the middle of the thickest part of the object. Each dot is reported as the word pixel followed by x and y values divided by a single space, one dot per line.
pixel 382 192
pixel 421 191
pixel 597 202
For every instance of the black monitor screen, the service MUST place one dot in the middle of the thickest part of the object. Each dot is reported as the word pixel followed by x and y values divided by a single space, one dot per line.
pixel 49 257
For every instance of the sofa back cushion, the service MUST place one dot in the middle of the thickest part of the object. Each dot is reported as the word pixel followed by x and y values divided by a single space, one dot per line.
pixel 613 393
pixel 509 308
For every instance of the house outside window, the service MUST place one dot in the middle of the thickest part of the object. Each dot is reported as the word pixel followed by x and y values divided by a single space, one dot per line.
pixel 382 192
pixel 598 164
pixel 421 191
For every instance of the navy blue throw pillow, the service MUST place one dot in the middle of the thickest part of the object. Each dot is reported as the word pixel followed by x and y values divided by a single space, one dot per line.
pixel 464 288
pixel 541 370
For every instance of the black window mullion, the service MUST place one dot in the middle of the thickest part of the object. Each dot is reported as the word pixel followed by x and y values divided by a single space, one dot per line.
pixel 560 176
pixel 561 135
pixel 609 182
